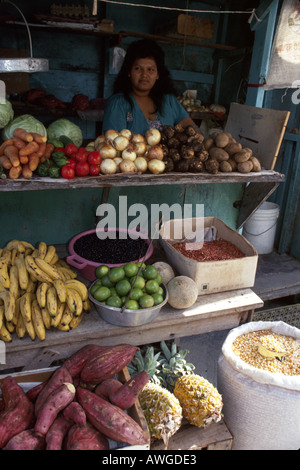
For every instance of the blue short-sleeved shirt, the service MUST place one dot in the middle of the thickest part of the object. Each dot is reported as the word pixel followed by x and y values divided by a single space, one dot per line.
pixel 119 114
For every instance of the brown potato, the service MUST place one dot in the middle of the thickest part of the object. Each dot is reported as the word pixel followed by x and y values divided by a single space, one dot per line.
pixel 225 166
pixel 218 154
pixel 256 164
pixel 208 143
pixel 221 140
pixel 233 147
pixel 245 167
pixel 233 164
pixel 241 156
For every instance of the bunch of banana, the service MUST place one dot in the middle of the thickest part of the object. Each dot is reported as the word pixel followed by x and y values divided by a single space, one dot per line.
pixel 38 291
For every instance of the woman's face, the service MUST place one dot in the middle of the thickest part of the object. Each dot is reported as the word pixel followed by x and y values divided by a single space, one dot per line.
pixel 143 75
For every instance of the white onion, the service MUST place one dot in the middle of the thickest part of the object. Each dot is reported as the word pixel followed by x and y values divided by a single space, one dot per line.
pixel 117 161
pixel 137 138
pixel 139 148
pixel 153 136
pixel 99 141
pixel 120 142
pixel 155 152
pixel 126 133
pixel 141 164
pixel 156 166
pixel 111 134
pixel 107 151
pixel 127 166
pixel 129 153
pixel 108 166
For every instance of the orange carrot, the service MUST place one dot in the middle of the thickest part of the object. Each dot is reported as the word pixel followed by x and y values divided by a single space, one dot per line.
pixel 5 144
pixel 30 148
pixel 34 161
pixel 39 138
pixel 23 159
pixel 19 143
pixel 13 154
pixel 48 152
pixel 22 134
pixel 15 172
pixel 5 162
pixel 26 171
pixel 42 148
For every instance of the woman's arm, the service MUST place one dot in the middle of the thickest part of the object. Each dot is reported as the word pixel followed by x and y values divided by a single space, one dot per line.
pixel 188 121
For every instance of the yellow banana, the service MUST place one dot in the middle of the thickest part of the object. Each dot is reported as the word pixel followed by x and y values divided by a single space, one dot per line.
pixel 66 317
pixel 52 301
pixel 25 306
pixel 2 317
pixel 15 244
pixel 51 250
pixel 54 259
pixel 60 289
pixel 50 270
pixel 87 305
pixel 14 281
pixel 5 334
pixel 55 320
pixel 37 321
pixel 41 292
pixel 10 326
pixel 79 287
pixel 67 273
pixel 76 321
pixel 32 283
pixel 14 254
pixel 74 301
pixel 30 329
pixel 28 246
pixel 46 318
pixel 22 272
pixel 63 327
pixel 17 312
pixel 4 274
pixel 35 271
pixel 20 327
pixel 42 250
pixel 35 253
pixel 9 305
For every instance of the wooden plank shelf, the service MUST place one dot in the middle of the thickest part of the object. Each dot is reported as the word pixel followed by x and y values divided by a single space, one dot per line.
pixel 121 179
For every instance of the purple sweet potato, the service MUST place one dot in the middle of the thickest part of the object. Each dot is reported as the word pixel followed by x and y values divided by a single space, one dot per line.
pixel 77 361
pixel 57 432
pixel 58 377
pixel 55 402
pixel 125 396
pixel 26 440
pixel 86 437
pixel 108 386
pixel 33 393
pixel 75 413
pixel 110 419
pixel 18 412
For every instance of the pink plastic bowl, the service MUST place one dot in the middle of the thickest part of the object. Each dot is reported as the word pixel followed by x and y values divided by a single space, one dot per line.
pixel 88 268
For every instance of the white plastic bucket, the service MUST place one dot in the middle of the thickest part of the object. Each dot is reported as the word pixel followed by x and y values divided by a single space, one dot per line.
pixel 260 228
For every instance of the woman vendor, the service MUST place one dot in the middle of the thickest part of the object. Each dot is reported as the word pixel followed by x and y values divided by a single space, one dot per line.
pixel 144 95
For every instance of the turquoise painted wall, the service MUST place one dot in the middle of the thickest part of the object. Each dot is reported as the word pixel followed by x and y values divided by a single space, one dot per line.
pixel 79 64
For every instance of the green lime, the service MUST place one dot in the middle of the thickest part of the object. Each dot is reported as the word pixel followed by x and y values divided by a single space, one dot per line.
pixel 151 286
pixel 160 291
pixel 114 301
pixel 94 288
pixel 123 287
pixel 116 274
pixel 150 272
pixel 102 293
pixel 139 263
pixel 146 301
pixel 98 282
pixel 158 298
pixel 158 278
pixel 136 293
pixel 113 291
pixel 106 281
pixel 131 269
pixel 102 270
pixel 132 305
pixel 139 282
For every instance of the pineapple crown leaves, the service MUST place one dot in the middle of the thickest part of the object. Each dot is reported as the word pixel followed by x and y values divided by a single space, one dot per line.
pixel 149 362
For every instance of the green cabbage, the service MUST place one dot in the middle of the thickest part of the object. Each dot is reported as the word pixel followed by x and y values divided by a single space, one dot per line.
pixel 6 113
pixel 26 122
pixel 65 127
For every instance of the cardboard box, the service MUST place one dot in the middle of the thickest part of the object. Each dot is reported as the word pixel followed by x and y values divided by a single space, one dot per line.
pixel 31 378
pixel 210 276
pixel 187 25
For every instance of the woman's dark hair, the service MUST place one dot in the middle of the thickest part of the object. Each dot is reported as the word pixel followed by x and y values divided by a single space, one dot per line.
pixel 140 50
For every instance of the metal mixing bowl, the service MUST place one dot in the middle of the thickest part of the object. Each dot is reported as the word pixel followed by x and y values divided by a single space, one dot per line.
pixel 115 316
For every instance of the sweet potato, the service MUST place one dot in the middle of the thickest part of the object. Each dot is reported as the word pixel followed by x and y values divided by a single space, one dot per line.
pixel 75 363
pixel 18 413
pixel 55 402
pixel 107 363
pixel 110 419
pixel 5 162
pixel 29 148
pixel 107 387
pixel 33 161
pixel 5 144
pixel 57 432
pixel 12 153
pixel 26 440
pixel 39 138
pixel 34 391
pixel 18 143
pixel 75 413
pixel 26 171
pixel 86 438
pixel 126 395
pixel 58 377
pixel 22 134
pixel 15 172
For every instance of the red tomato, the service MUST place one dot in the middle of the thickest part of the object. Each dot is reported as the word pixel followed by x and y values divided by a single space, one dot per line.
pixel 60 149
pixel 94 158
pixel 94 169
pixel 67 172
pixel 71 163
pixel 72 156
pixel 70 148
pixel 82 169
pixel 81 156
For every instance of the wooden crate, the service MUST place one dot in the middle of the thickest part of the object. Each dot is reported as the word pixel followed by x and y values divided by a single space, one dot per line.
pixel 216 436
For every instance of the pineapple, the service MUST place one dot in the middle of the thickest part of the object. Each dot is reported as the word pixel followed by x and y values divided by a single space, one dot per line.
pixel 162 411
pixel 173 365
pixel 148 362
pixel 200 400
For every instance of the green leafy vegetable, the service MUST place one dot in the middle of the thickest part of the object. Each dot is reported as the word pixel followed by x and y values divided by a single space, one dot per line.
pixel 26 122
pixel 64 127
pixel 6 113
